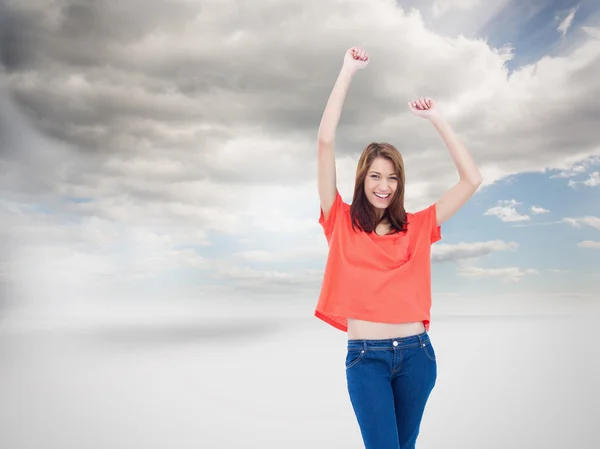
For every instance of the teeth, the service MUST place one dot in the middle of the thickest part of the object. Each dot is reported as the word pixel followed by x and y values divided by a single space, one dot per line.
pixel 382 197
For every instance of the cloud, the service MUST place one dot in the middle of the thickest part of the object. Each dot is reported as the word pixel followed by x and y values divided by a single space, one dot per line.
pixel 441 7
pixel 578 168
pixel 539 210
pixel 506 211
pixel 575 170
pixel 155 82
pixel 190 128
pixel 62 251
pixel 507 274
pixel 565 24
pixel 586 220
pixel 592 181
pixel 589 244
pixel 237 279
pixel 318 252
pixel 466 253
pixel 443 252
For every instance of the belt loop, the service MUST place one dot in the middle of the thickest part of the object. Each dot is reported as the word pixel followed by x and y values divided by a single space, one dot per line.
pixel 364 345
pixel 420 340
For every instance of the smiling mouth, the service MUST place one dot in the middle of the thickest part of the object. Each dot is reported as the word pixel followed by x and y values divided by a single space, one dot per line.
pixel 381 197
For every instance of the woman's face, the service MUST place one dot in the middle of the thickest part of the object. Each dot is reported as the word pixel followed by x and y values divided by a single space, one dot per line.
pixel 381 183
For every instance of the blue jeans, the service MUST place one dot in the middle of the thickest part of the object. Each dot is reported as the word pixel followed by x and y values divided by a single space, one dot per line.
pixel 389 382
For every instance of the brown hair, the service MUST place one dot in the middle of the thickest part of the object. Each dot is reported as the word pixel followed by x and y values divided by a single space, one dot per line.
pixel 361 210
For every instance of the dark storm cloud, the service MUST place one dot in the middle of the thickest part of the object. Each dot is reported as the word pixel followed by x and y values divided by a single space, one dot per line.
pixel 85 40
pixel 14 45
pixel 97 75
pixel 181 81
pixel 80 33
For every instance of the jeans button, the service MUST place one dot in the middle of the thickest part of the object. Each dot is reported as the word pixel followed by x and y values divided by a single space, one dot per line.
pixel 395 343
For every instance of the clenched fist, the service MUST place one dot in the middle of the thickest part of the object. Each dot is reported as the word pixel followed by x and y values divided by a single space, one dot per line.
pixel 356 58
pixel 424 107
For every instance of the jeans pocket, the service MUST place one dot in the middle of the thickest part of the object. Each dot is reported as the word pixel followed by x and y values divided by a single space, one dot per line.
pixel 429 351
pixel 353 357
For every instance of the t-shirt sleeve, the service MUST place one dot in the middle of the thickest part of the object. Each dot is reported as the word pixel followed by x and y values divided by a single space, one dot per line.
pixel 427 220
pixel 329 224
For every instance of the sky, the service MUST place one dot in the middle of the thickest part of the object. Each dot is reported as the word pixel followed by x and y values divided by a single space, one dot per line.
pixel 163 152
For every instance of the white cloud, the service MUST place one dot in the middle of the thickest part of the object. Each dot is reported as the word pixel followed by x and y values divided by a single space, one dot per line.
pixel 252 281
pixel 275 221
pixel 539 210
pixel 586 220
pixel 577 168
pixel 318 252
pixel 441 7
pixel 507 274
pixel 506 211
pixel 589 244
pixel 592 181
pixel 565 24
pixel 443 252
pixel 90 251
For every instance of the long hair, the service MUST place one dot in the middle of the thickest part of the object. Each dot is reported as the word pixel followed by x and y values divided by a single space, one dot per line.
pixel 362 211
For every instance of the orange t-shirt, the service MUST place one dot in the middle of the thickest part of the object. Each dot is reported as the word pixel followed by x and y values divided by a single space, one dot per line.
pixel 385 279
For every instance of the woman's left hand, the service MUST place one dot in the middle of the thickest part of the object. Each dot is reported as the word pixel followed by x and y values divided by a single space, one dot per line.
pixel 424 107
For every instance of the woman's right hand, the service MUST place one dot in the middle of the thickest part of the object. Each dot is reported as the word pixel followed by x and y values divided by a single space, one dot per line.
pixel 356 58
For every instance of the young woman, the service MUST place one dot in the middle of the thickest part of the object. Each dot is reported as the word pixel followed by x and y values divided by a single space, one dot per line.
pixel 376 285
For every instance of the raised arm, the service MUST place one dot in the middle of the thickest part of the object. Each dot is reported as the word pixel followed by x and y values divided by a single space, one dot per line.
pixel 355 59
pixel 470 178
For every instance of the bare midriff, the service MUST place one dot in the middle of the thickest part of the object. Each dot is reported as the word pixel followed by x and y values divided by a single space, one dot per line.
pixel 367 330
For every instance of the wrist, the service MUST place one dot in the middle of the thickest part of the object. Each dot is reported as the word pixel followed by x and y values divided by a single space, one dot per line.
pixel 437 120
pixel 349 71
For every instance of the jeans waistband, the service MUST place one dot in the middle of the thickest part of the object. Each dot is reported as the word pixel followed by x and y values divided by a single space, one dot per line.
pixel 390 343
